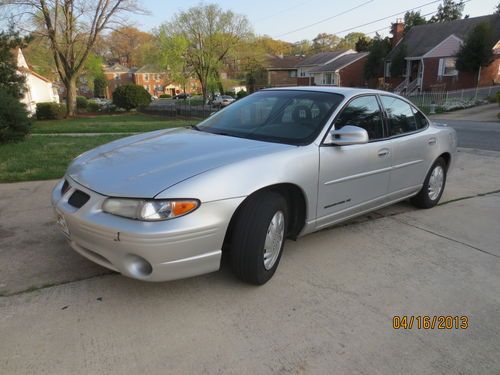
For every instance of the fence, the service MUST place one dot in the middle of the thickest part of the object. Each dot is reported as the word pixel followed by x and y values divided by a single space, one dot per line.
pixel 180 108
pixel 448 100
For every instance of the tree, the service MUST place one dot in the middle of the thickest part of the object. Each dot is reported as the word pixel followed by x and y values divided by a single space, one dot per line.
pixel 449 10
pixel 398 62
pixel 14 121
pixel 72 28
pixel 497 9
pixel 379 49
pixel 302 47
pixel 325 42
pixel 210 35
pixel 349 41
pixel 100 85
pixel 363 44
pixel 125 45
pixel 477 50
pixel 411 19
pixel 10 81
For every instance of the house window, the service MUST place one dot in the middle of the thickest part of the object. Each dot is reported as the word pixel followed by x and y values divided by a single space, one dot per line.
pixel 447 67
pixel 157 77
pixel 388 69
pixel 146 77
pixel 292 74
pixel 328 79
pixel 302 73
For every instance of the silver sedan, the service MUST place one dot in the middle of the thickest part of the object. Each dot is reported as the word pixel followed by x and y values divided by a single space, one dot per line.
pixel 278 164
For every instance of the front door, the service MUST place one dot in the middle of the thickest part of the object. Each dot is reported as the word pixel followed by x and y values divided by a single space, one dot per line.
pixel 354 178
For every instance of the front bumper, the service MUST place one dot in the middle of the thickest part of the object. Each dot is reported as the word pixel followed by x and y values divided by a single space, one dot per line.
pixel 151 251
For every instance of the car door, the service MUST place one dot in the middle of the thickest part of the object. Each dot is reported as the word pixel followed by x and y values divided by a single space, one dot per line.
pixel 354 178
pixel 410 145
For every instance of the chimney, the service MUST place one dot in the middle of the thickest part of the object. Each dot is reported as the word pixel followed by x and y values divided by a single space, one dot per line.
pixel 397 31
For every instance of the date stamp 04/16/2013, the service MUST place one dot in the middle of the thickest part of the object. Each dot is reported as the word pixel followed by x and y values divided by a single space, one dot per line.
pixel 442 322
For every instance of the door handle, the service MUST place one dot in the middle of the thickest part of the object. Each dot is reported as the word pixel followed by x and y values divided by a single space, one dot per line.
pixel 382 153
pixel 432 141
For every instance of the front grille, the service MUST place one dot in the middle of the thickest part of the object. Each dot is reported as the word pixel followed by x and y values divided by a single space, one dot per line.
pixel 65 187
pixel 78 199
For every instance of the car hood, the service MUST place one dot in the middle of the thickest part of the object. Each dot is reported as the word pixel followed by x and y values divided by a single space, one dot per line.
pixel 142 166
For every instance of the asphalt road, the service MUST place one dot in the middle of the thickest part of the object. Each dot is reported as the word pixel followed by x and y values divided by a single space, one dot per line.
pixel 474 134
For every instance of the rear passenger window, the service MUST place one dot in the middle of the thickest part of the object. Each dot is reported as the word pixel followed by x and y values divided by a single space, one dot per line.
pixel 420 118
pixel 365 113
pixel 400 116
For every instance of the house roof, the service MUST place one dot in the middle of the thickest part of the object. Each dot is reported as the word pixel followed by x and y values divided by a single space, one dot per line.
pixel 321 58
pixel 32 72
pixel 116 68
pixel 150 68
pixel 421 39
pixel 339 63
pixel 282 62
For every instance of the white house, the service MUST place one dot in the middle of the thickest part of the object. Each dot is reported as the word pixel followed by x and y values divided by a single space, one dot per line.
pixel 38 88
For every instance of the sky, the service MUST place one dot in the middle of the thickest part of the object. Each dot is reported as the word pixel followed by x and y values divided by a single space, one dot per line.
pixel 280 18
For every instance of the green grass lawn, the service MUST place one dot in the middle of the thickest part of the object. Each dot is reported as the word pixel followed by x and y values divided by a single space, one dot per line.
pixel 124 123
pixel 44 157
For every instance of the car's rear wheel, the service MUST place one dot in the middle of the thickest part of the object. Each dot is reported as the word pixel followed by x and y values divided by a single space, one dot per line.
pixel 258 237
pixel 433 186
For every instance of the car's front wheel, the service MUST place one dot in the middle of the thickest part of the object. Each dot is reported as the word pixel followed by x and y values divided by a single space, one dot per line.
pixel 433 186
pixel 258 237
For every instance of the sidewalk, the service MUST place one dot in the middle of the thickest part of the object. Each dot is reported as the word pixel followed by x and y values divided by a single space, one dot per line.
pixel 487 113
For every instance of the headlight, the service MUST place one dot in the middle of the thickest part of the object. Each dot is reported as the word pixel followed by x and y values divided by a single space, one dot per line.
pixel 149 210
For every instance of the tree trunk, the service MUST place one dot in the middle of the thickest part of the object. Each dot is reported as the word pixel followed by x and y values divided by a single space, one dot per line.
pixel 70 97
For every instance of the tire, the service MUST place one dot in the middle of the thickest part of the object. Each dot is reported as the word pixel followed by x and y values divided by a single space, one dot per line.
pixel 251 262
pixel 428 196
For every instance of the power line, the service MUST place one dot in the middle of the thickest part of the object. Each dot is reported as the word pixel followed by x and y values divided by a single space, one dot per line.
pixel 327 19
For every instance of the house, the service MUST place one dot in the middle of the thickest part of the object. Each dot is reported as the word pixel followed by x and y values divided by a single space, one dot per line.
pixel 305 78
pixel 282 70
pixel 117 75
pixel 38 88
pixel 155 80
pixel 430 56
pixel 346 70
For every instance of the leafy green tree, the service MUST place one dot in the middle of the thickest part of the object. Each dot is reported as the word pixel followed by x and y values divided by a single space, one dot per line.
pixel 379 49
pixel 477 50
pixel 131 96
pixel 413 18
pixel 10 80
pixel 398 62
pixel 349 41
pixel 363 44
pixel 100 86
pixel 497 9
pixel 209 34
pixel 14 121
pixel 302 47
pixel 449 10
pixel 325 42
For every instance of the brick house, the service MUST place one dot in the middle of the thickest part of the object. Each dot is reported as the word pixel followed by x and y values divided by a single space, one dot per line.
pixel 282 70
pixel 117 75
pixel 430 56
pixel 305 77
pixel 346 70
pixel 155 80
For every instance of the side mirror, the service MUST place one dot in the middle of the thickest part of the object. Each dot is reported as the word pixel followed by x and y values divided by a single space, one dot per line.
pixel 348 135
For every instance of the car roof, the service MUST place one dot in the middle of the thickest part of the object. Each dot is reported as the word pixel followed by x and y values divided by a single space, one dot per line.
pixel 346 91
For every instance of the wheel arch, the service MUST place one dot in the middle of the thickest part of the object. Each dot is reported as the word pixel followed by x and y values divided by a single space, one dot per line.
pixel 296 204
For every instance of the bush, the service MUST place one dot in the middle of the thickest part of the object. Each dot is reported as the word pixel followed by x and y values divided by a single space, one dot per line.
pixel 230 93
pixel 50 111
pixel 165 96
pixel 14 121
pixel 93 106
pixel 131 96
pixel 100 85
pixel 241 94
pixel 81 102
pixel 498 98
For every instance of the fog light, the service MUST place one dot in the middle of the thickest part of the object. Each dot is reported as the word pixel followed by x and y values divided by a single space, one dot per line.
pixel 138 266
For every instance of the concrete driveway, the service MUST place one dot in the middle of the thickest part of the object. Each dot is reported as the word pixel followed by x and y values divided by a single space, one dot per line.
pixel 328 309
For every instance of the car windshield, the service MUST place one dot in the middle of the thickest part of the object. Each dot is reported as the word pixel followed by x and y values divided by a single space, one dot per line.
pixel 285 116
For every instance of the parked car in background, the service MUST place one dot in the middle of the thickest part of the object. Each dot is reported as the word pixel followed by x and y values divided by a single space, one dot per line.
pixel 277 164
pixel 223 100
pixel 182 96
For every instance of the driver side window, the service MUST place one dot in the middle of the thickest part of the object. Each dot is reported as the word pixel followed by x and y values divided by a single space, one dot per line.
pixel 365 113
